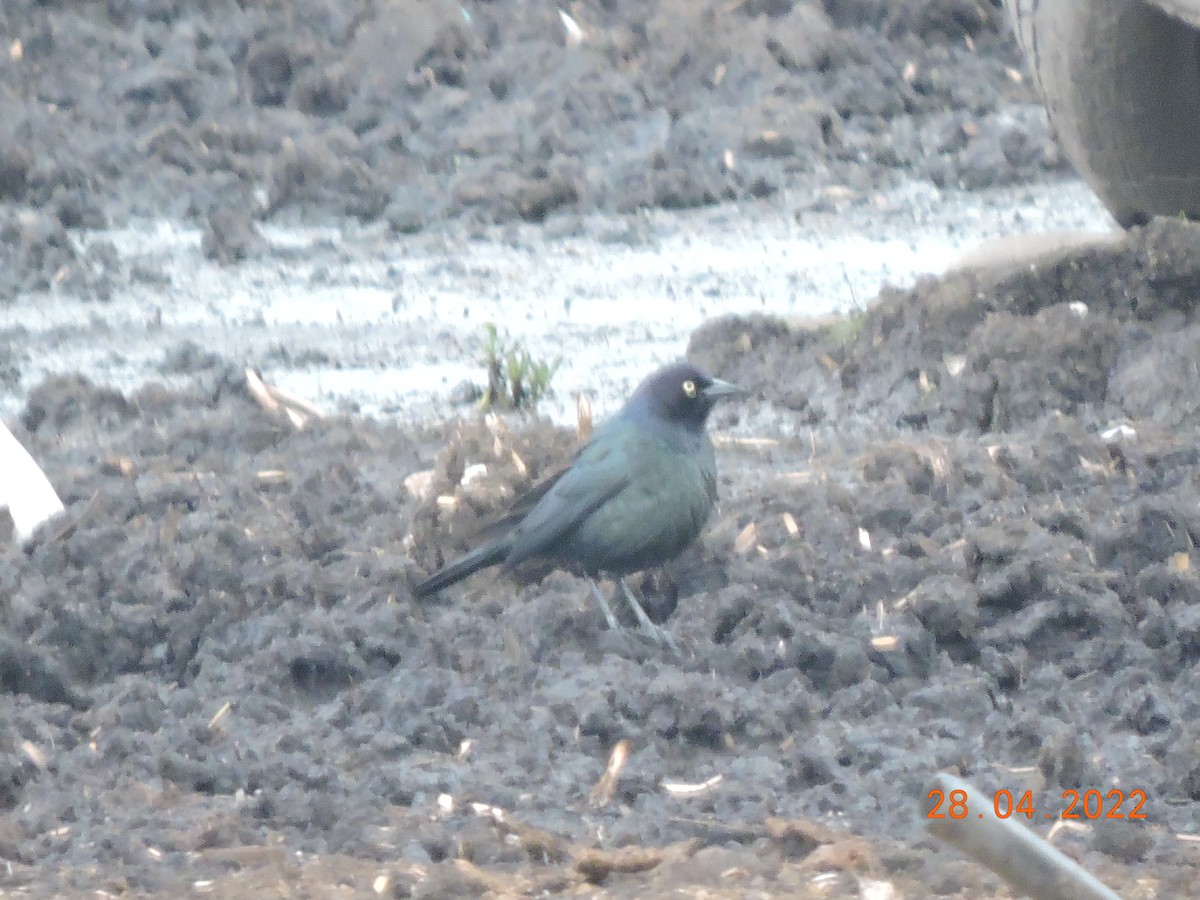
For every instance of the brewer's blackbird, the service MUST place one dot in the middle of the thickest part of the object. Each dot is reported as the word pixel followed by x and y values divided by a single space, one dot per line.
pixel 635 496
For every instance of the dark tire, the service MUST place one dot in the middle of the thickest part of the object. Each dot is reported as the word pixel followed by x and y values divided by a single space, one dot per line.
pixel 1121 83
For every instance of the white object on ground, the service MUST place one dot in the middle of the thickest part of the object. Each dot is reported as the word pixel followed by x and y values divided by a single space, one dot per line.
pixel 24 488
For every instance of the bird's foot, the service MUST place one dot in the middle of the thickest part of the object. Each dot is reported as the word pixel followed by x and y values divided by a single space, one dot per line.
pixel 657 632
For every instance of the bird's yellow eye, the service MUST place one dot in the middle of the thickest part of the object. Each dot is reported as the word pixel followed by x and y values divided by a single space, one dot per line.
pixel 689 388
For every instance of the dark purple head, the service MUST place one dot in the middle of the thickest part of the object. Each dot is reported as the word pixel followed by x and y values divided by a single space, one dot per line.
pixel 680 394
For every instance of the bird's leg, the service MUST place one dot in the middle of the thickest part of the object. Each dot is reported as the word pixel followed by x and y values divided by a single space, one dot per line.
pixel 604 607
pixel 657 632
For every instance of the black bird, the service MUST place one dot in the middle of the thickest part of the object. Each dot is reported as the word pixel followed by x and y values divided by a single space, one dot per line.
pixel 635 496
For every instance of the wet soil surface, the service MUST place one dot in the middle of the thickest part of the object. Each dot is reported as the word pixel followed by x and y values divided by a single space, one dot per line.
pixel 410 112
pixel 958 536
pixel 957 531
pixel 359 320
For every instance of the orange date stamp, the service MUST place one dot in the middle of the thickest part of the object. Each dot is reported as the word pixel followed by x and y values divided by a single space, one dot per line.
pixel 1093 804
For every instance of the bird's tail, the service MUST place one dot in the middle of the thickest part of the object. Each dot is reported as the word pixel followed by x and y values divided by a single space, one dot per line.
pixel 480 558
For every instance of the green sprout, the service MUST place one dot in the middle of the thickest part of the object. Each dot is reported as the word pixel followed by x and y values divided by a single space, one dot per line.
pixel 845 328
pixel 515 378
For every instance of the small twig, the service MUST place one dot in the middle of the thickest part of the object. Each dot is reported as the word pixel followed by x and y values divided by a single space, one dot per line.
pixel 681 789
pixel 280 403
pixel 602 793
pixel 219 715
pixel 583 418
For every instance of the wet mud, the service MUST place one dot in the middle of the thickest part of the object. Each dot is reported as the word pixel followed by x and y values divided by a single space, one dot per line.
pixel 935 550
pixel 412 112
pixel 957 529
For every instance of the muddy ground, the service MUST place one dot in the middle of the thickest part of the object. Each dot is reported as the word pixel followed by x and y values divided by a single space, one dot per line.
pixel 957 531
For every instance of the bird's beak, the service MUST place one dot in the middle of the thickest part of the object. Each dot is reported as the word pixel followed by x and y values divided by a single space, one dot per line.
pixel 719 389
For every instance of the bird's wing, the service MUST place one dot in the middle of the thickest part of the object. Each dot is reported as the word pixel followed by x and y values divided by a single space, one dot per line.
pixel 597 475
pixel 659 513
pixel 491 540
pixel 520 508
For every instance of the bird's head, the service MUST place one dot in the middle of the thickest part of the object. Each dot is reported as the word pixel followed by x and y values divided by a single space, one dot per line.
pixel 681 393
